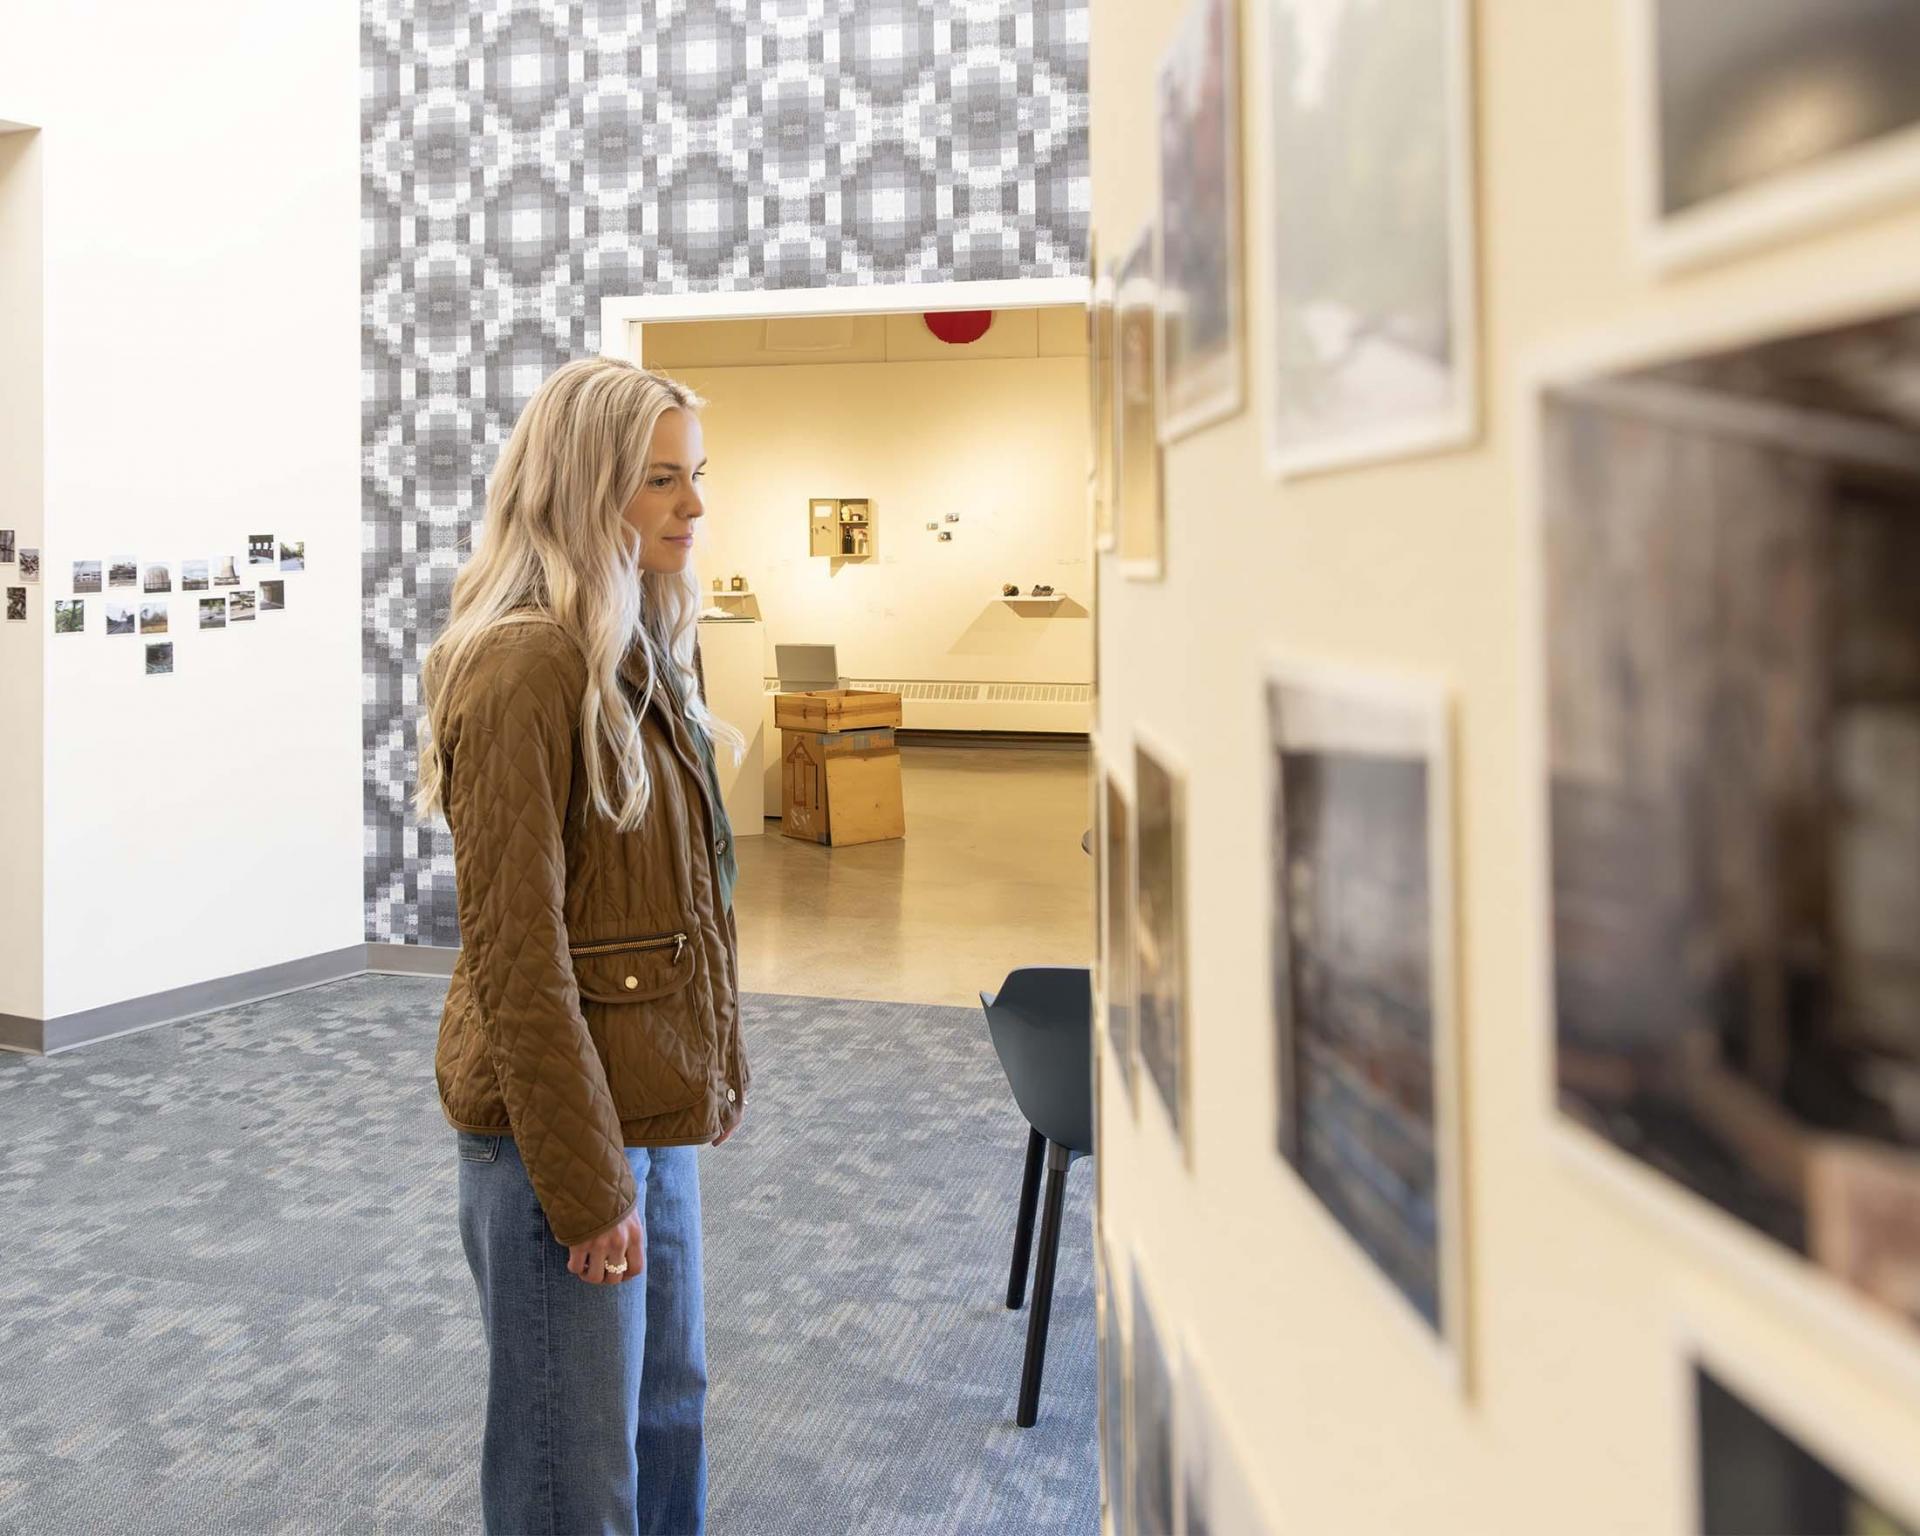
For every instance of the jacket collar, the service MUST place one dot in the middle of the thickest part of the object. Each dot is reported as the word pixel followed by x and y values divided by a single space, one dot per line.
pixel 633 672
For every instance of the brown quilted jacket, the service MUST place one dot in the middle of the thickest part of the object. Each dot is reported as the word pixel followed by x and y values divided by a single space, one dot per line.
pixel 595 1001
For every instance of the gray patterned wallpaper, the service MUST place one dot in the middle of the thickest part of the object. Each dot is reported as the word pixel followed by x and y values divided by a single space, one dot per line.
pixel 519 161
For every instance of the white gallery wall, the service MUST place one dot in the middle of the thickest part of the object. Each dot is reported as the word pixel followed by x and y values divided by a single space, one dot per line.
pixel 996 441
pixel 201 383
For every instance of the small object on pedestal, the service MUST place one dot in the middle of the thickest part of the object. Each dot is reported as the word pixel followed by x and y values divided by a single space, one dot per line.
pixel 739 583
pixel 1009 590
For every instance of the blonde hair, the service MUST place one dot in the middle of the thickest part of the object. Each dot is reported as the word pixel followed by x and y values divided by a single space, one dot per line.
pixel 555 547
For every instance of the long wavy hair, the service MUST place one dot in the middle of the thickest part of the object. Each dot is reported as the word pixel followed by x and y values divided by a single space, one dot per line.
pixel 555 547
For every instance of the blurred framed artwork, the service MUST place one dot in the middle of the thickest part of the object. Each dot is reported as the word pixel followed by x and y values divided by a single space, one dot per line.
pixel 1161 1028
pixel 1139 517
pixel 1363 977
pixel 1150 1420
pixel 1101 476
pixel 1201 306
pixel 1372 270
pixel 1728 547
pixel 1758 120
pixel 1116 927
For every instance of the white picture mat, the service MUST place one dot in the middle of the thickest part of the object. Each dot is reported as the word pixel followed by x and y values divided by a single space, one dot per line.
pixel 1329 707
pixel 1813 1299
pixel 1217 390
pixel 1140 495
pixel 1456 424
pixel 1182 1134
pixel 1850 181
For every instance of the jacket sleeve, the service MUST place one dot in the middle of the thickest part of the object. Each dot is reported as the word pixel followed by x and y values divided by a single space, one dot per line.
pixel 512 773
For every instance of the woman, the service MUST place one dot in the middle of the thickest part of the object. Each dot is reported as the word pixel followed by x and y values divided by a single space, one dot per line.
pixel 591 1038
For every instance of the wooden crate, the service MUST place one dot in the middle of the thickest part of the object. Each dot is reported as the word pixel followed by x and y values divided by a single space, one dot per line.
pixel 841 787
pixel 836 709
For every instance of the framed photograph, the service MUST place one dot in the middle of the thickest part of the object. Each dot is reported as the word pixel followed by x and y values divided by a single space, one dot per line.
pixel 16 605
pixel 159 657
pixel 1117 989
pixel 6 546
pixel 224 572
pixel 1363 976
pixel 1373 265
pixel 1766 1455
pixel 273 596
pixel 1211 1485
pixel 123 572
pixel 1762 120
pixel 1728 654
pixel 1150 1421
pixel 69 615
pixel 1115 1391
pixel 213 613
pixel 240 606
pixel 1140 516
pixel 1160 932
pixel 86 575
pixel 120 619
pixel 157 577
pixel 153 618
pixel 193 576
pixel 1200 290
pixel 30 565
pixel 260 549
pixel 1102 486
pixel 293 554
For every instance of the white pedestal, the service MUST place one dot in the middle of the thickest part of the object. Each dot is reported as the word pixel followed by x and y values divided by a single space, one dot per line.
pixel 733 656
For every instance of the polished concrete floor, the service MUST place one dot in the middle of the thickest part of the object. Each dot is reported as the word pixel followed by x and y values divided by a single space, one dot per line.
pixel 990 875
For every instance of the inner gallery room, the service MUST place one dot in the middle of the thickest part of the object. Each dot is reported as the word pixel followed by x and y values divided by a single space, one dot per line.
pixel 848 767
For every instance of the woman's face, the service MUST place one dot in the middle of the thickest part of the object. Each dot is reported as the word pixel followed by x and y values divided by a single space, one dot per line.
pixel 663 510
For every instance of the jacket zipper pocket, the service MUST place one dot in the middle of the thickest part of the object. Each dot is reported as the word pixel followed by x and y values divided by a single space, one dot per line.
pixel 616 946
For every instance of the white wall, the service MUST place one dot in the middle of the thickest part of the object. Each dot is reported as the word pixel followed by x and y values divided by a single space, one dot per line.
pixel 1575 1420
pixel 22 646
pixel 201 384
pixel 999 441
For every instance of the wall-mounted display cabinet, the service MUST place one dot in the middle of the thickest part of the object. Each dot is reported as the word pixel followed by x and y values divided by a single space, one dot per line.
pixel 841 527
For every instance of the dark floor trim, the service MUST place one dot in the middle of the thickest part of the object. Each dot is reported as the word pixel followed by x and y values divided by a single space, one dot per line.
pixel 45 1037
pixel 1059 741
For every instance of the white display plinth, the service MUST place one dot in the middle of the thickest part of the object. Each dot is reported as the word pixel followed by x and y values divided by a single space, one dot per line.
pixel 732 654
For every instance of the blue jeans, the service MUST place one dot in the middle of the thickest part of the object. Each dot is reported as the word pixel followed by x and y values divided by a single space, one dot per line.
pixel 596 1394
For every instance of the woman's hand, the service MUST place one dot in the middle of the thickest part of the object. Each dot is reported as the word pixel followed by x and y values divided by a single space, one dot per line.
pixel 739 1115
pixel 625 1239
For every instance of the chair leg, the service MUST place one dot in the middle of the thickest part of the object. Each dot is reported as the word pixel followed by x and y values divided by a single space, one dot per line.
pixel 1023 1229
pixel 1057 1165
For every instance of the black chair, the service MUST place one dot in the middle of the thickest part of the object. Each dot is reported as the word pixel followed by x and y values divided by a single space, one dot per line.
pixel 1041 1021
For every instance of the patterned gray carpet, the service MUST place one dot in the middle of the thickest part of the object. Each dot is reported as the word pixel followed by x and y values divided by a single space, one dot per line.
pixel 232 1296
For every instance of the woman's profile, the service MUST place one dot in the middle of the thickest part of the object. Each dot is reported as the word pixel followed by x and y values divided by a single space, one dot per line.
pixel 590 1041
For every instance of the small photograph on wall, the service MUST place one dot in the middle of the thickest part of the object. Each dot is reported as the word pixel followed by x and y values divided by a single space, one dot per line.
pixel 1755 1477
pixel 1151 1409
pixel 30 565
pixel 1213 1491
pixel 153 618
pixel 273 596
pixel 1117 929
pixel 160 657
pixel 193 575
pixel 16 605
pixel 1767 117
pixel 1200 297
pixel 1112 1394
pixel 1160 930
pixel 158 577
pixel 240 606
pixel 1363 972
pixel 293 555
pixel 69 616
pixel 1373 245
pixel 86 575
pixel 225 573
pixel 1100 400
pixel 6 546
pixel 1139 518
pixel 120 619
pixel 123 573
pixel 1731 546
pixel 213 613
pixel 260 549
